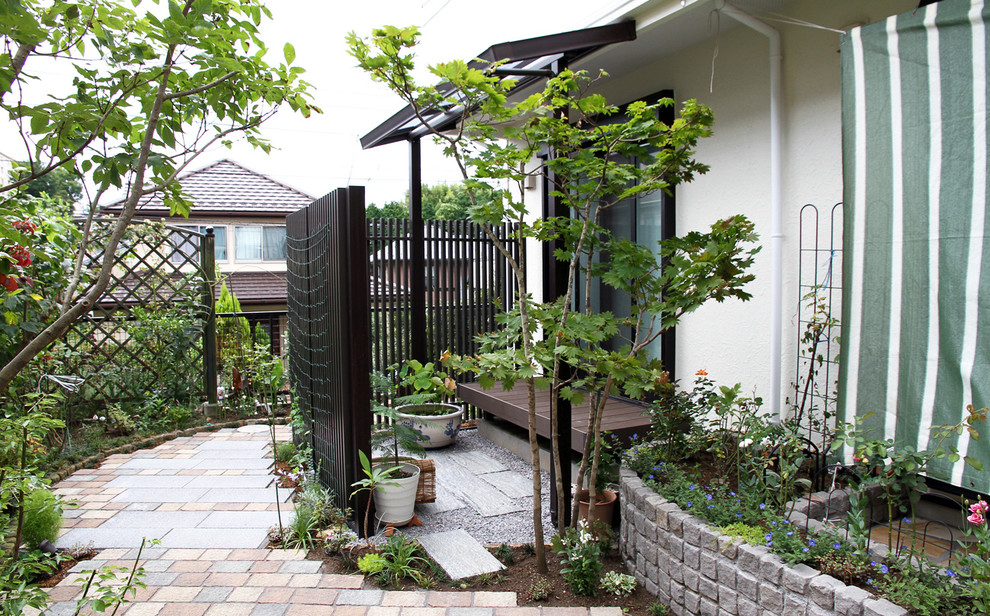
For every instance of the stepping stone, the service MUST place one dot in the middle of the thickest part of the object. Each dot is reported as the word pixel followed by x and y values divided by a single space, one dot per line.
pixel 459 554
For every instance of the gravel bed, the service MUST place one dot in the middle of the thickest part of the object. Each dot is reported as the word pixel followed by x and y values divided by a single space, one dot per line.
pixel 513 528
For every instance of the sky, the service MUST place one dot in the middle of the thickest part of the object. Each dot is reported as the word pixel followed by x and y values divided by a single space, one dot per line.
pixel 323 152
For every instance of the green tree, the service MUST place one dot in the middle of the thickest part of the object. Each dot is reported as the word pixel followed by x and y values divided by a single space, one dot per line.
pixel 440 202
pixel 170 79
pixel 591 166
pixel 61 183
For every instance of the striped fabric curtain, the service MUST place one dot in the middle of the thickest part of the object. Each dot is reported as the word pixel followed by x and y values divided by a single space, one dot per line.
pixel 916 287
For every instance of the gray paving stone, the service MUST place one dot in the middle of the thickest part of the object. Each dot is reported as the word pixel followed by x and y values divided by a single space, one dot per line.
pixel 211 538
pixel 156 519
pixel 158 565
pixel 510 483
pixel 147 495
pixel 301 566
pixel 220 445
pixel 228 464
pixel 269 609
pixel 159 578
pixel 242 495
pixel 470 611
pixel 459 554
pixel 359 597
pixel 109 538
pixel 214 594
pixel 159 463
pixel 229 481
pixel 149 481
pixel 241 519
pixel 444 502
pixel 231 566
pixel 87 565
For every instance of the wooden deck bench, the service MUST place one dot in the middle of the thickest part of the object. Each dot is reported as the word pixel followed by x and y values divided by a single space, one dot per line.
pixel 622 417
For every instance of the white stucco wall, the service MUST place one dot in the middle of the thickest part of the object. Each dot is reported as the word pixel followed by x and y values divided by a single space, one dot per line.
pixel 732 340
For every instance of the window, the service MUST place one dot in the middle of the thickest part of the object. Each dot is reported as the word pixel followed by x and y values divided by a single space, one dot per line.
pixel 187 245
pixel 257 243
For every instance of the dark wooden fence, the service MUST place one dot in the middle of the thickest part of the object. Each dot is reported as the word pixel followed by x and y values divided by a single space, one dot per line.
pixel 466 283
pixel 329 359
pixel 356 290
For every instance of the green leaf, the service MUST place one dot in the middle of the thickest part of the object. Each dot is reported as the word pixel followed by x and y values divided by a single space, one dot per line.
pixel 290 53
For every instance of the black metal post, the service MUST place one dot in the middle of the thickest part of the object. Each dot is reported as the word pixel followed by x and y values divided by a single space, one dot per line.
pixel 417 255
pixel 206 256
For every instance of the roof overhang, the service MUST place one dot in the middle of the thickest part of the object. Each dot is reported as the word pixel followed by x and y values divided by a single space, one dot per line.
pixel 530 58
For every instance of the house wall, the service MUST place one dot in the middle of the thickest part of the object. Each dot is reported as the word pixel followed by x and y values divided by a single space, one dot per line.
pixel 732 340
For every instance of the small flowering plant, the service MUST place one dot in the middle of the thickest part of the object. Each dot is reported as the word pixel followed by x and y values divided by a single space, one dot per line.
pixel 976 565
pixel 581 553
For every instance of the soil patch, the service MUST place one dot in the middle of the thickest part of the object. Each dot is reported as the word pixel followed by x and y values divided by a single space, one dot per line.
pixel 520 577
pixel 68 562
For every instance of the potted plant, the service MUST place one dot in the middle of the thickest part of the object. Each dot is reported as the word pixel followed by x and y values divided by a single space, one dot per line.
pixel 428 408
pixel 605 480
pixel 395 493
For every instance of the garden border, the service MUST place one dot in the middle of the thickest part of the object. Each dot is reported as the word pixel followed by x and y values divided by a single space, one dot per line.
pixel 696 570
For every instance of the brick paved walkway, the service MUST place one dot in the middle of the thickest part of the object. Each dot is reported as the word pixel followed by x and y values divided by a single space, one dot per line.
pixel 195 494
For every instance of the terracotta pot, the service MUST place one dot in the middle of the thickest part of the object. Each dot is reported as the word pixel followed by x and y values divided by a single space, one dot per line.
pixel 604 505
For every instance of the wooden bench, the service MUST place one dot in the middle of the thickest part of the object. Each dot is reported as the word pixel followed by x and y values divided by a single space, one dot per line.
pixel 622 417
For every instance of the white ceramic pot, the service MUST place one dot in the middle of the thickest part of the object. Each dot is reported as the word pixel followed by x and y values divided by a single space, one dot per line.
pixel 394 504
pixel 439 430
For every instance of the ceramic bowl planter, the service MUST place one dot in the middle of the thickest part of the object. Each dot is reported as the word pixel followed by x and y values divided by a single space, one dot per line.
pixel 438 422
pixel 394 504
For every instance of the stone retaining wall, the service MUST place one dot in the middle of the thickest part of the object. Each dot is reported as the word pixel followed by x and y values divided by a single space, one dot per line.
pixel 695 570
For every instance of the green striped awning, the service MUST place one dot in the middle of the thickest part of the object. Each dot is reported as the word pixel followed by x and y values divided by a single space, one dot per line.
pixel 916 276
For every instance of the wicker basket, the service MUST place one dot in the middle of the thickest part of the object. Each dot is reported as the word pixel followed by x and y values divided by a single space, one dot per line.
pixel 426 491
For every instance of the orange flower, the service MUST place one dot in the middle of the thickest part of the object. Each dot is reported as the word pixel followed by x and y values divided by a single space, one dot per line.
pixel 701 373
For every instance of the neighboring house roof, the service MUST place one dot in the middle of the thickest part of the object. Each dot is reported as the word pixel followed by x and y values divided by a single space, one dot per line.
pixel 254 288
pixel 227 189
pixel 251 288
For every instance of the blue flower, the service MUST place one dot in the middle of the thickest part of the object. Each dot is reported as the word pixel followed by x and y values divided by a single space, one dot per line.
pixel 950 573
pixel 691 487
pixel 651 477
pixel 836 545
pixel 711 506
pixel 738 515
pixel 732 494
pixel 689 503
pixel 790 532
pixel 812 543
pixel 763 506
pixel 806 549
pixel 768 536
pixel 884 569
pixel 708 496
pixel 907 520
pixel 873 563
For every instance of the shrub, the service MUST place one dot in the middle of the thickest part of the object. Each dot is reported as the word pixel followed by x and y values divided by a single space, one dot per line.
pixel 284 451
pixel 42 518
pixel 371 564
pixel 582 559
pixel 618 584
pixel 541 589
pixel 657 609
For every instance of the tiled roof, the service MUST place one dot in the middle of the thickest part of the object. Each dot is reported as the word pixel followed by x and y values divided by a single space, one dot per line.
pixel 252 288
pixel 225 187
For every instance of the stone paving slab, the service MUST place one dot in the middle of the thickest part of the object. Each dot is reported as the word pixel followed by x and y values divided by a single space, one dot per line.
pixel 459 554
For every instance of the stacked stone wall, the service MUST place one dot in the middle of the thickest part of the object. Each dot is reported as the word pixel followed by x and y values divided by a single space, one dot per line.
pixel 697 571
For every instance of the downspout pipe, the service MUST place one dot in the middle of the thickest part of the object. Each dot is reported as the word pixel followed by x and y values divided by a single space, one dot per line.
pixel 776 199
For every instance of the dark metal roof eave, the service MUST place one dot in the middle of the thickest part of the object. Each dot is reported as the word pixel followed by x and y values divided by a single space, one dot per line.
pixel 572 45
